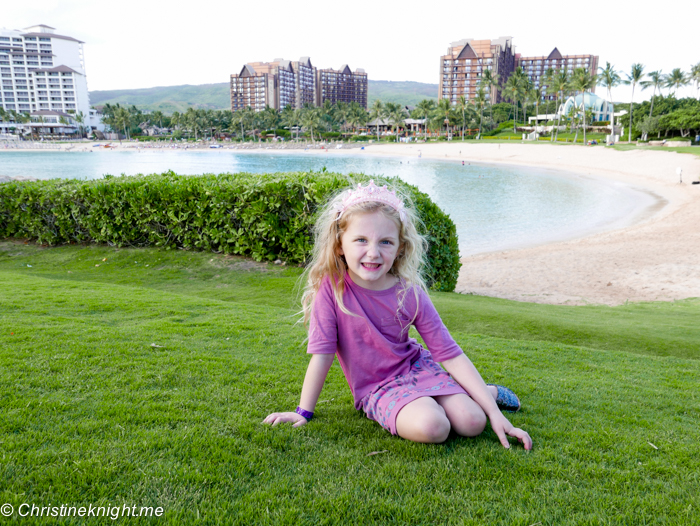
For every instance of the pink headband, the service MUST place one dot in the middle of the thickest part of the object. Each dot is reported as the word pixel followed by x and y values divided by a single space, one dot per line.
pixel 370 193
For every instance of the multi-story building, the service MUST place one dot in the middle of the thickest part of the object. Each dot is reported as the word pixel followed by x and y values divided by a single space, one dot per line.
pixel 462 68
pixel 306 86
pixel 537 67
pixel 44 72
pixel 342 85
pixel 283 83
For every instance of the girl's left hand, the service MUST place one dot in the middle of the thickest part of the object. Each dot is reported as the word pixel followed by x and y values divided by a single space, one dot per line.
pixel 278 418
pixel 502 427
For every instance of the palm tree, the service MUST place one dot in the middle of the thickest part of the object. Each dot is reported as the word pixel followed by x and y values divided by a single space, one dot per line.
pixel 634 77
pixel 341 113
pixel 358 116
pixel 377 113
pixel 270 117
pixel 462 106
pixel 122 119
pixel 442 114
pixel 80 119
pixel 609 78
pixel 582 81
pixel 423 111
pixel 479 100
pixel 512 93
pixel 490 79
pixel 311 118
pixel 289 118
pixel 676 79
pixel 695 77
pixel 157 117
pixel 657 80
pixel 396 115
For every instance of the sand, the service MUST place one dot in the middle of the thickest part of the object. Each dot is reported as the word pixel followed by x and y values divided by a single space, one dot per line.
pixel 656 258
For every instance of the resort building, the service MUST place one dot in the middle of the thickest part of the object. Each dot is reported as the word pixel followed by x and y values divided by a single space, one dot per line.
pixel 283 83
pixel 466 61
pixel 536 67
pixel 342 85
pixel 43 75
pixel 462 68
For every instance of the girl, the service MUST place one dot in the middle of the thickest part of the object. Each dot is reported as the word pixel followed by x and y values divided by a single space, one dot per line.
pixel 364 290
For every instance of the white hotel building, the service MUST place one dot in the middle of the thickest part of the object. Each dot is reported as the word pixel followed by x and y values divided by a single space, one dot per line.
pixel 43 74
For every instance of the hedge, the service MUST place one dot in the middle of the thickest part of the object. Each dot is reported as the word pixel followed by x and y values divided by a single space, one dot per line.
pixel 262 216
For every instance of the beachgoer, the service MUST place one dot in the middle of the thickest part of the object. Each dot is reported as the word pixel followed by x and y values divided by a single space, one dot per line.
pixel 363 291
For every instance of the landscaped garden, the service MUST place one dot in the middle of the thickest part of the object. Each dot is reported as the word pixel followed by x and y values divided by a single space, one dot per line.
pixel 141 376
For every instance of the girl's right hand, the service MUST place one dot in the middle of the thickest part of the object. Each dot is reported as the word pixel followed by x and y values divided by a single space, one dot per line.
pixel 277 418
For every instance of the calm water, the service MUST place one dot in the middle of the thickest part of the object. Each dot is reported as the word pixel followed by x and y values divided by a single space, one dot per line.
pixel 494 207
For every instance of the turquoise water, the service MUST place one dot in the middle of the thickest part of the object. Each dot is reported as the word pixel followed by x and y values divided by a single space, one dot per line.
pixel 494 207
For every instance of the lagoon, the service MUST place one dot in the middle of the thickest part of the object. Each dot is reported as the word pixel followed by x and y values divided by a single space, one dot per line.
pixel 495 207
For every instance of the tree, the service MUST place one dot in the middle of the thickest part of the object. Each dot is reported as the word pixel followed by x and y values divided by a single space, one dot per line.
pixel 479 101
pixel 396 115
pixel 311 118
pixel 695 77
pixel 609 78
pixel 560 83
pixel 657 80
pixel 512 93
pixel 462 106
pixel 634 77
pixel 424 110
pixel 80 119
pixel 490 79
pixel 377 113
pixel 676 79
pixel 122 120
pixel 582 81
pixel 442 113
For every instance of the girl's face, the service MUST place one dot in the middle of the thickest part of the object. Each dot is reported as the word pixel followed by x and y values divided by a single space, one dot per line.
pixel 370 244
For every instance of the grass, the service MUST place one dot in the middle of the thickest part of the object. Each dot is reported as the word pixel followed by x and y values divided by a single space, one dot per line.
pixel 94 414
pixel 694 150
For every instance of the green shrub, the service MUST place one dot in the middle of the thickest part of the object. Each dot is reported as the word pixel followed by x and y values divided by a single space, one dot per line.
pixel 263 216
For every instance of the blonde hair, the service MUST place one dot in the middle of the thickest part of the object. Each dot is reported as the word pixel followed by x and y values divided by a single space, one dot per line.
pixel 326 260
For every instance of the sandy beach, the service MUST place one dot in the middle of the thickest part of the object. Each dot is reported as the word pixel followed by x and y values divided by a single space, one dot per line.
pixel 656 258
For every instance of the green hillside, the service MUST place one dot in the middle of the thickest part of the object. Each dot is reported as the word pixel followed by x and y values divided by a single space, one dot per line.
pixel 216 96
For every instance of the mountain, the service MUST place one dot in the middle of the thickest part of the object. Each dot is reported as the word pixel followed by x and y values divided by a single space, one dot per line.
pixel 216 96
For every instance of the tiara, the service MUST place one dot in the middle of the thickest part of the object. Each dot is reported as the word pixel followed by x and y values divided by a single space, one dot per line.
pixel 369 193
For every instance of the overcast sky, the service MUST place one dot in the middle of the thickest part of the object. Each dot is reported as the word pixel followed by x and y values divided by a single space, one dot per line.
pixel 144 43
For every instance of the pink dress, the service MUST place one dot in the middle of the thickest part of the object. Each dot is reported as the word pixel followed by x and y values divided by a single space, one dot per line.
pixel 385 369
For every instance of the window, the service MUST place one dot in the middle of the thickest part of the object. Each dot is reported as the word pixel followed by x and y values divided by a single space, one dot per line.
pixel 44 39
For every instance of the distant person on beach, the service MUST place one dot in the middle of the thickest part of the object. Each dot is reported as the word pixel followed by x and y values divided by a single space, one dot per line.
pixel 364 290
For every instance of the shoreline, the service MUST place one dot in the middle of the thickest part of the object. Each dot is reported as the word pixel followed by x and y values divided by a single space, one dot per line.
pixel 652 257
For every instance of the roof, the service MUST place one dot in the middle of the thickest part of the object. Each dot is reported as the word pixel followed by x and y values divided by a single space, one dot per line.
pixel 247 71
pixel 467 52
pixel 52 35
pixel 58 69
pixel 47 113
pixel 40 25
pixel 555 54
pixel 345 69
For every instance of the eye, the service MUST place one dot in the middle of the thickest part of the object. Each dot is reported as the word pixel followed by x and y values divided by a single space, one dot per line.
pixel 387 242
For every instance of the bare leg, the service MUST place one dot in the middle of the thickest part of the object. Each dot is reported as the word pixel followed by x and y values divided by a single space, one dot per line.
pixel 465 415
pixel 423 420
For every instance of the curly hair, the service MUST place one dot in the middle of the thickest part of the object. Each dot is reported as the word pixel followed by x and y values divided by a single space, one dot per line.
pixel 327 261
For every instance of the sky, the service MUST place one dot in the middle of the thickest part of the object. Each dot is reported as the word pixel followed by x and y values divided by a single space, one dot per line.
pixel 140 44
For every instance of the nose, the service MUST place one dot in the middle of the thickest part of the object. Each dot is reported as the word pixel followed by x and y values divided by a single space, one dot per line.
pixel 373 251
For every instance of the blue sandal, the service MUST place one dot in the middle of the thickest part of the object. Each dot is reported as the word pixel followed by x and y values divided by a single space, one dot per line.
pixel 507 400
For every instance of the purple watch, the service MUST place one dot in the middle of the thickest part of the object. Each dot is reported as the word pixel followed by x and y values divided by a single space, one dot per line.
pixel 303 412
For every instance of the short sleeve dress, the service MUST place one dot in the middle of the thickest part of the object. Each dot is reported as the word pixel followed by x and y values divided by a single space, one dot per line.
pixel 384 368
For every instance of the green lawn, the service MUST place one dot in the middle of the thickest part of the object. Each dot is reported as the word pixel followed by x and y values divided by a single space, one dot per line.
pixel 143 381
pixel 695 150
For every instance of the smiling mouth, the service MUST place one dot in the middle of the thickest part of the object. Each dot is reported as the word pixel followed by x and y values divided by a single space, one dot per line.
pixel 371 266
